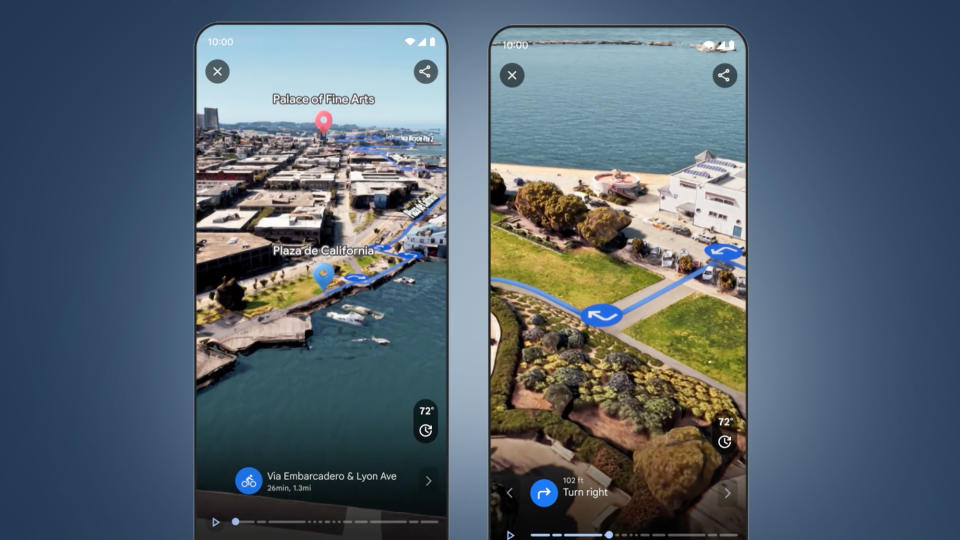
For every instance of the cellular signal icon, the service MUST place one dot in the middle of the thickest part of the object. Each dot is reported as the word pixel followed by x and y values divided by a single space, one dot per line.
pixel 425 42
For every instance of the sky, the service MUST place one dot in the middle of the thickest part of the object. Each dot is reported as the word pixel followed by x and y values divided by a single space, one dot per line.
pixel 317 59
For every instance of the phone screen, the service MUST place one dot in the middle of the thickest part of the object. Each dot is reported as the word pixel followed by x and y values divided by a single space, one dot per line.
pixel 321 281
pixel 618 225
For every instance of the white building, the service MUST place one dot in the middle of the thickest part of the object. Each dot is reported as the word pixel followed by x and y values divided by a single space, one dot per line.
pixel 303 224
pixel 226 220
pixel 712 191
pixel 430 240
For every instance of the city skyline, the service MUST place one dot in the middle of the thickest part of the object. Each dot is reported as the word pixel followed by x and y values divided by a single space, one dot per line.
pixel 318 59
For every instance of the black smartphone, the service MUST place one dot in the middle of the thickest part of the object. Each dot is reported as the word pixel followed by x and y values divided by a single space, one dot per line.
pixel 321 281
pixel 618 291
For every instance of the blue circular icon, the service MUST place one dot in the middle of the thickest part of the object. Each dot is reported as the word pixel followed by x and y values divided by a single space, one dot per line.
pixel 248 480
pixel 543 493
pixel 601 315
pixel 723 252
pixel 357 278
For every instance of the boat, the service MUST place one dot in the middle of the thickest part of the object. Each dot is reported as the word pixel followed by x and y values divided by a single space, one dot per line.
pixel 380 340
pixel 362 311
pixel 359 340
pixel 405 279
pixel 350 318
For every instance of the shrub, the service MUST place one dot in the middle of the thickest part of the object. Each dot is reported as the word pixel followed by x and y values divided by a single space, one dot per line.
pixel 574 338
pixel 573 357
pixel 552 341
pixel 508 352
pixel 531 354
pixel 570 376
pixel 533 335
pixel 531 377
pixel 621 382
pixel 559 396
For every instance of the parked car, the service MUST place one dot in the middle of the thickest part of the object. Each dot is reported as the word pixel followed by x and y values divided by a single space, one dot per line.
pixel 681 230
pixel 708 275
pixel 705 238
pixel 518 181
pixel 742 285
pixel 597 202
pixel 668 259
pixel 653 254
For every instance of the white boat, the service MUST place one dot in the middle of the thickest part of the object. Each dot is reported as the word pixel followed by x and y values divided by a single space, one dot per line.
pixel 350 318
pixel 405 279
pixel 726 47
pixel 359 340
pixel 362 311
pixel 380 340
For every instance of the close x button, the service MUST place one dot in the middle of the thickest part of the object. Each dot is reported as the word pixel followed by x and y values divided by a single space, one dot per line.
pixel 425 421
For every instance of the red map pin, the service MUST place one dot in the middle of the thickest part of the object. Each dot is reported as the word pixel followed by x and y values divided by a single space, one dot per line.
pixel 323 121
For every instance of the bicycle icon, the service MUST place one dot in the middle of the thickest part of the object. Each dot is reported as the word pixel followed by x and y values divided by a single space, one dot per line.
pixel 248 480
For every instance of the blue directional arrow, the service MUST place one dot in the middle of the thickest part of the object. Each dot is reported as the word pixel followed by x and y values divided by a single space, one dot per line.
pixel 601 315
pixel 357 278
pixel 723 252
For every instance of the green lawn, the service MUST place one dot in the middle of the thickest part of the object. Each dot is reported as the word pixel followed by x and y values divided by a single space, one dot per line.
pixel 280 296
pixel 581 277
pixel 704 333
pixel 495 216
pixel 366 260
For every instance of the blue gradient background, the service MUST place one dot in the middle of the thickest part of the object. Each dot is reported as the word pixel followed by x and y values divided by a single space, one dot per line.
pixel 852 360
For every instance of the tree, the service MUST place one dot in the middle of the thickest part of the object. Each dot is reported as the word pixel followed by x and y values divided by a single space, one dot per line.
pixel 563 213
pixel 229 294
pixel 726 280
pixel 685 264
pixel 559 397
pixel 532 200
pixel 637 245
pixel 602 225
pixel 498 189
pixel 263 282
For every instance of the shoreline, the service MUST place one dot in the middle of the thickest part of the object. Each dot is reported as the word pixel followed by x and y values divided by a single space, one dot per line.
pixel 540 172
pixel 294 323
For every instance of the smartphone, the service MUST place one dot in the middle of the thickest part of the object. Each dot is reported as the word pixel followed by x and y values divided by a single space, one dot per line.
pixel 321 281
pixel 618 291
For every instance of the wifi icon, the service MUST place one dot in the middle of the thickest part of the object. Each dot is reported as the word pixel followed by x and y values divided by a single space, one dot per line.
pixel 409 41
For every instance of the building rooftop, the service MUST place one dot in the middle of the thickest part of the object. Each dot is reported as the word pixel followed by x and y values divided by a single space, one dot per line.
pixel 304 218
pixel 374 187
pixel 265 159
pixel 718 171
pixel 216 245
pixel 211 188
pixel 226 220
pixel 265 198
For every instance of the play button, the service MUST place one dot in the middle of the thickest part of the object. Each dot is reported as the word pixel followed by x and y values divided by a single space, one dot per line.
pixel 510 535
pixel 214 522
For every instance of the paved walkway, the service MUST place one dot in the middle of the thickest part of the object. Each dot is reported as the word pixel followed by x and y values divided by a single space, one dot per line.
pixel 650 307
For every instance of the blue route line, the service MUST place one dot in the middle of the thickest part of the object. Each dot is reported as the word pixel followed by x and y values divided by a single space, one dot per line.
pixel 738 265
pixel 626 310
pixel 404 256
pixel 537 291
pixel 417 220
pixel 668 288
